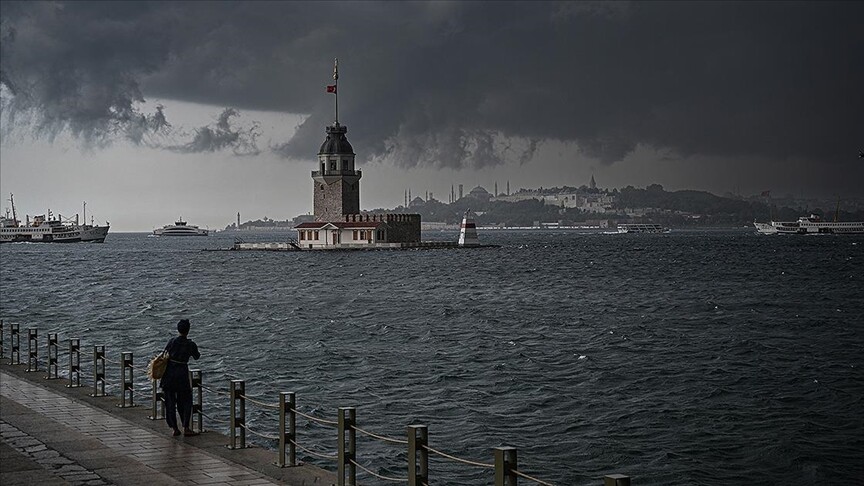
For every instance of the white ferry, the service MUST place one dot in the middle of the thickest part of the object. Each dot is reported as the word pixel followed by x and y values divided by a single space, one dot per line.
pixel 642 228
pixel 180 228
pixel 48 230
pixel 812 224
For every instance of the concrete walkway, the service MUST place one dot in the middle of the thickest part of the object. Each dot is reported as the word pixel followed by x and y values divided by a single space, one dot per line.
pixel 49 437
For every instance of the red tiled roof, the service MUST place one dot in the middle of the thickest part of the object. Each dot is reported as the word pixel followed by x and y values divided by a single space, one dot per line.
pixel 339 224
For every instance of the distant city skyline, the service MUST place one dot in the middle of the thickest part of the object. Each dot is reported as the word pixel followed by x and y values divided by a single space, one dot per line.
pixel 149 112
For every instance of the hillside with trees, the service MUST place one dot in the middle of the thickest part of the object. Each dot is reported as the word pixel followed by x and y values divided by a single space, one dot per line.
pixel 684 208
pixel 653 204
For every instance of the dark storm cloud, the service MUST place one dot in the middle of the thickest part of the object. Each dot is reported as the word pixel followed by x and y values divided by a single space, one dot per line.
pixel 461 84
pixel 221 136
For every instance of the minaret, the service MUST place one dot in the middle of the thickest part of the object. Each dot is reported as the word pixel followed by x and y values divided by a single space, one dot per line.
pixel 238 220
pixel 337 183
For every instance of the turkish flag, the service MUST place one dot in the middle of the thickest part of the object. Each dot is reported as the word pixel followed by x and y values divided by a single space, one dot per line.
pixel 331 88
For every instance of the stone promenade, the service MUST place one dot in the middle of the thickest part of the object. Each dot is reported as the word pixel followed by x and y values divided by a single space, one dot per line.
pixel 53 435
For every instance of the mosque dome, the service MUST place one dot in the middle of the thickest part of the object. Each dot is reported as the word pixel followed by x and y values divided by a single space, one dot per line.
pixel 336 141
pixel 479 193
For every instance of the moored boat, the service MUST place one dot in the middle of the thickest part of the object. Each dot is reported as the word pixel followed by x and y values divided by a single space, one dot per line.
pixel 180 228
pixel 812 224
pixel 48 229
pixel 641 228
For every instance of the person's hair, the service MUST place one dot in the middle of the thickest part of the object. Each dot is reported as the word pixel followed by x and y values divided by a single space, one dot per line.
pixel 183 326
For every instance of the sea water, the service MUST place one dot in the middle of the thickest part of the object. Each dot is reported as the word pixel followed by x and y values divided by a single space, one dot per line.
pixel 694 357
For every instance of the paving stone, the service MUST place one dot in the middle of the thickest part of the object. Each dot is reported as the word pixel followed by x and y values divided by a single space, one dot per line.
pixel 46 454
pixel 57 460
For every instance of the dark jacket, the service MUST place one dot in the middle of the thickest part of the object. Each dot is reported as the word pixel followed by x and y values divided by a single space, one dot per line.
pixel 176 376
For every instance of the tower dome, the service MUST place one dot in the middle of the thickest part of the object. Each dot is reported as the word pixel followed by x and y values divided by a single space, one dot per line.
pixel 336 141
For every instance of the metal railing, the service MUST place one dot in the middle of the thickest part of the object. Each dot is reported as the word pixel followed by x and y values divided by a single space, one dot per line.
pixel 74 363
pixel 157 401
pixel 15 344
pixel 32 349
pixel 505 465
pixel 98 371
pixel 196 378
pixel 127 381
pixel 53 355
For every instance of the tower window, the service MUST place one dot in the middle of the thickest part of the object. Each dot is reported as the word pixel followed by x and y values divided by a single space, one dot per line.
pixel 332 165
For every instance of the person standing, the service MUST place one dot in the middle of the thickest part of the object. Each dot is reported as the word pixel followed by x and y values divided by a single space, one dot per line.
pixel 176 382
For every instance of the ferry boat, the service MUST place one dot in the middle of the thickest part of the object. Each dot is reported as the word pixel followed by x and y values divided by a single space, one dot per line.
pixel 812 224
pixel 48 229
pixel 180 228
pixel 642 228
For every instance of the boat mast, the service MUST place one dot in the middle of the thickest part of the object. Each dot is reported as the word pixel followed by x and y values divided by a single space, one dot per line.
pixel 14 214
pixel 837 212
pixel 85 212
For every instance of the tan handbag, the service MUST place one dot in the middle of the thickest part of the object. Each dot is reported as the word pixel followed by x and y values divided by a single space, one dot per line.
pixel 157 366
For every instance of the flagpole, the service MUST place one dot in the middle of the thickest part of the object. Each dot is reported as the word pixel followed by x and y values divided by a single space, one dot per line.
pixel 336 85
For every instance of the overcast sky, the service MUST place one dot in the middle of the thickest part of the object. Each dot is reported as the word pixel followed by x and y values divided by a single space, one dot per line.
pixel 153 110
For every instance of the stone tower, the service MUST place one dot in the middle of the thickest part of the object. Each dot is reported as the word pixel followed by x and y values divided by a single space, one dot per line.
pixel 337 183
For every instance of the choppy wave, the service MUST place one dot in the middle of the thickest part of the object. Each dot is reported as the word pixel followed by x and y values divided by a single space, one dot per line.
pixel 716 357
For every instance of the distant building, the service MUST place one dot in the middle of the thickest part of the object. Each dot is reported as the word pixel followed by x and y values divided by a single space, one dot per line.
pixel 589 202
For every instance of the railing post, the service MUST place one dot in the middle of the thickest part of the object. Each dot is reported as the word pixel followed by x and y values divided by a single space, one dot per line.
pixel 196 379
pixel 2 346
pixel 287 438
pixel 238 414
pixel 74 363
pixel 616 480
pixel 418 455
pixel 347 451
pixel 15 344
pixel 157 398
pixel 127 383
pixel 505 464
pixel 53 371
pixel 98 371
pixel 32 349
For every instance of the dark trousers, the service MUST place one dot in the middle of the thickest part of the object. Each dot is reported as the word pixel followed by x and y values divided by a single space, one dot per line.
pixel 178 401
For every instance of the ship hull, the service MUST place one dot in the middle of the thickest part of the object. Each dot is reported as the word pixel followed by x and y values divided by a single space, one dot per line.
pixel 810 226
pixel 94 234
